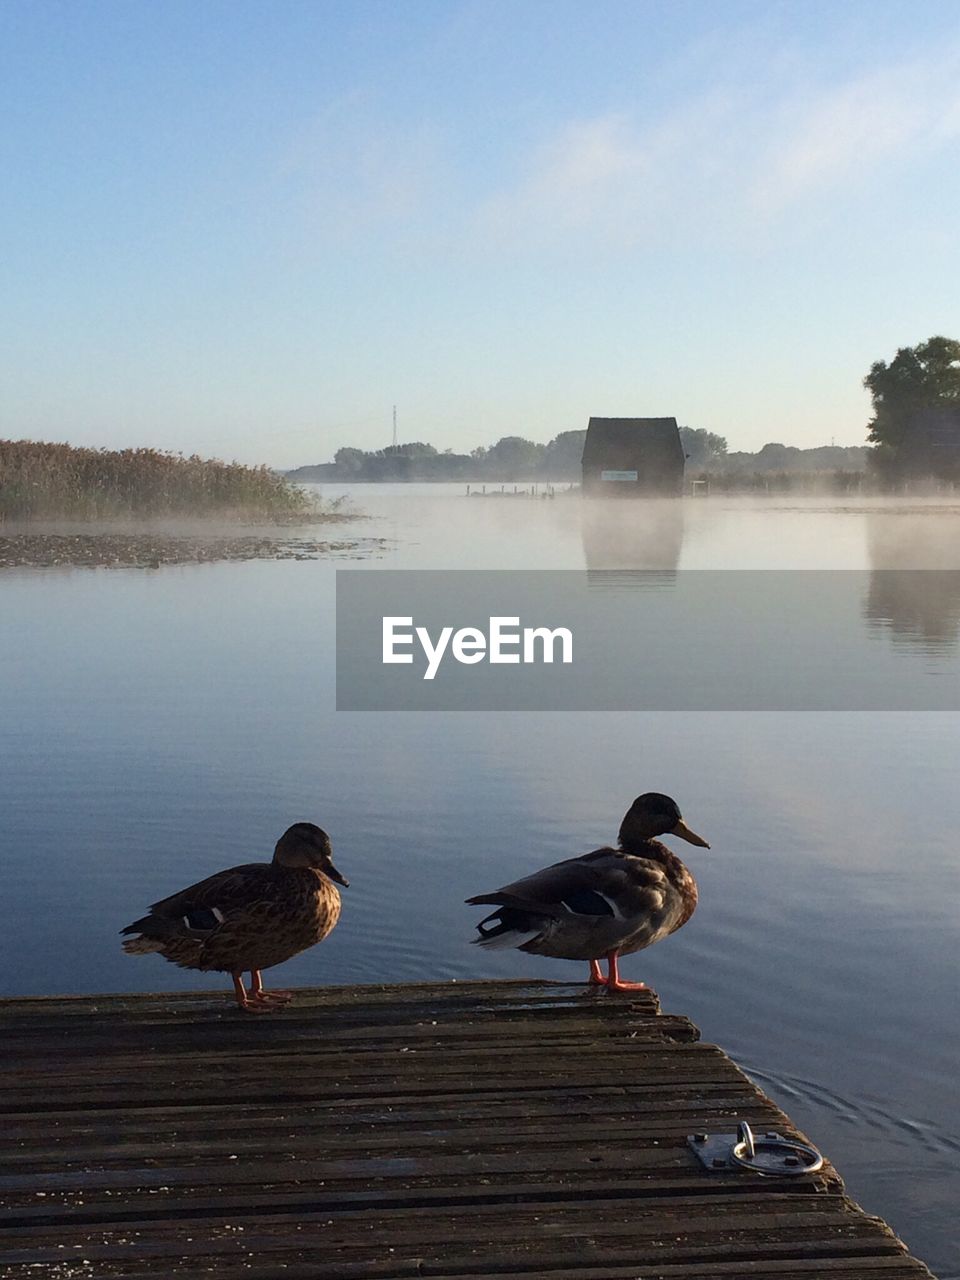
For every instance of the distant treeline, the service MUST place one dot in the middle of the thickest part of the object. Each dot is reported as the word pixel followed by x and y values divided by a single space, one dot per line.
pixel 514 458
pixel 783 466
pixel 58 481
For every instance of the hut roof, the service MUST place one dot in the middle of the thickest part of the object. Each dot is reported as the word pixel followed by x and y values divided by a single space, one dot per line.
pixel 606 435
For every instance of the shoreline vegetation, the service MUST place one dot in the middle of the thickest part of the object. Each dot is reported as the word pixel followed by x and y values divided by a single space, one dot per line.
pixel 62 506
pixel 913 444
pixel 42 481
pixel 775 468
pixel 153 550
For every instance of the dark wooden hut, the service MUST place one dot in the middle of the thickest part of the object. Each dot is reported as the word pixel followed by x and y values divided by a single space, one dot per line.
pixel 633 456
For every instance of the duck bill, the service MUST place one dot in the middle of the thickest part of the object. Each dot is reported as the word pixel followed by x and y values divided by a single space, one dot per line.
pixel 334 874
pixel 684 832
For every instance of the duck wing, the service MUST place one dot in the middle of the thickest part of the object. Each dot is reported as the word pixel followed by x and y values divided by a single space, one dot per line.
pixel 605 882
pixel 204 906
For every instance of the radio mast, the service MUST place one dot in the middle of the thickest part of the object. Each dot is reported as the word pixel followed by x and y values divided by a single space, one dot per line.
pixel 394 426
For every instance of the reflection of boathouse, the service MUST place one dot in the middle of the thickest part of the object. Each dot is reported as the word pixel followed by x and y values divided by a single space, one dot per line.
pixel 635 537
pixel 626 457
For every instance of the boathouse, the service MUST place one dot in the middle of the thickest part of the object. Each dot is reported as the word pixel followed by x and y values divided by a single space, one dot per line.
pixel 625 457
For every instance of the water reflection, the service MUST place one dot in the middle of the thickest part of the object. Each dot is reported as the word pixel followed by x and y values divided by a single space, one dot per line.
pixel 156 727
pixel 914 592
pixel 916 606
pixel 632 545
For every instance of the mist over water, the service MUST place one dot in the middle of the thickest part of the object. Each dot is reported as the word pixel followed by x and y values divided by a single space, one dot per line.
pixel 157 726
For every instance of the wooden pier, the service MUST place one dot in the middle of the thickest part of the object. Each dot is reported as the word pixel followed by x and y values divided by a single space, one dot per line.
pixel 448 1130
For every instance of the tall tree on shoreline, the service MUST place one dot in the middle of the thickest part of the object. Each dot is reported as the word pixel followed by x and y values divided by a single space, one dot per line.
pixel 703 448
pixel 915 395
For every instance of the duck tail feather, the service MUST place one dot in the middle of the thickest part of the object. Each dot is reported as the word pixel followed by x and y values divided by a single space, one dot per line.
pixel 141 946
pixel 509 938
pixel 508 927
pixel 138 926
pixel 153 933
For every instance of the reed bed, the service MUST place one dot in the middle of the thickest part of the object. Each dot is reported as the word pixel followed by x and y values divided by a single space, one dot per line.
pixel 62 482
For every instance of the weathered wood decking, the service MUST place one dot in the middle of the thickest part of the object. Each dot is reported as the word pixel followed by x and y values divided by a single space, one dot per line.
pixel 444 1130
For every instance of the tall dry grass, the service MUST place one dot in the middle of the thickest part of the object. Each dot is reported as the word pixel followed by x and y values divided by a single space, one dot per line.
pixel 59 481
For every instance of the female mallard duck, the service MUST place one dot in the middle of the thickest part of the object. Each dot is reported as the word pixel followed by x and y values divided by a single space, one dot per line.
pixel 607 903
pixel 250 917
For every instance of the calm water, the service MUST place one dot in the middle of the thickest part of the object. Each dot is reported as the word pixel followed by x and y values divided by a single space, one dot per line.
pixel 156 726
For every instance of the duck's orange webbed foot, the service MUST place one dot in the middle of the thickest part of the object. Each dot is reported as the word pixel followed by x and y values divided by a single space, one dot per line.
pixel 253 1005
pixel 267 997
pixel 258 1000
pixel 596 977
pixel 265 1002
pixel 614 982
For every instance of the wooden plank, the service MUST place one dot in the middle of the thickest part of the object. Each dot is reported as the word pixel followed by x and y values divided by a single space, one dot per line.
pixel 446 1130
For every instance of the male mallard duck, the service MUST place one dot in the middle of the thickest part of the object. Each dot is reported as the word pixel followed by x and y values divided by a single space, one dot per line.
pixel 250 917
pixel 607 903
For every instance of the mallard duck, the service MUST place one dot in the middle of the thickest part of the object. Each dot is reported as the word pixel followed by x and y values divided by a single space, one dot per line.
pixel 249 918
pixel 607 903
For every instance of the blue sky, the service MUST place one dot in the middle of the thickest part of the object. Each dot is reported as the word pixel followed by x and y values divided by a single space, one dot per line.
pixel 248 229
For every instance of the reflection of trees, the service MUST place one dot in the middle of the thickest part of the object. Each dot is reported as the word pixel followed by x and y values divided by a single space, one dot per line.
pixel 636 533
pixel 915 576
pixel 920 606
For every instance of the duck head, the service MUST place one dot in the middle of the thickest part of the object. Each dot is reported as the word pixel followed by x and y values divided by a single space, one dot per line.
pixel 653 815
pixel 305 845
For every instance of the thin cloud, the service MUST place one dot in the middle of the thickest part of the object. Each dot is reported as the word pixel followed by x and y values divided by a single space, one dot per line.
pixel 353 171
pixel 730 161
pixel 735 158
pixel 589 164
pixel 846 133
pixel 608 176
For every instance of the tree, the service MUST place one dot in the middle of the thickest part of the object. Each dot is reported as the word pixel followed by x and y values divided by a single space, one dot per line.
pixel 513 458
pixel 351 460
pixel 561 458
pixel 703 448
pixel 917 380
pixel 415 449
pixel 775 456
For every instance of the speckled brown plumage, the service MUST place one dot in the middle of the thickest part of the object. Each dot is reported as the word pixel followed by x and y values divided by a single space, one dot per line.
pixel 608 903
pixel 251 917
pixel 680 877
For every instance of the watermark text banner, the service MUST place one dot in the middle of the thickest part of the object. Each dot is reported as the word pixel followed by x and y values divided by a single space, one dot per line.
pixel 647 640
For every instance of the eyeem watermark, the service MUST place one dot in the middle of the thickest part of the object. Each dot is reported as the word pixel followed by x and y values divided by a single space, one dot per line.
pixel 503 642
pixel 648 640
